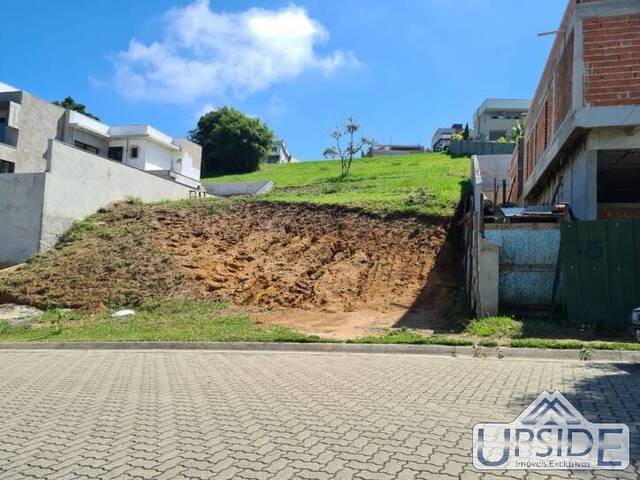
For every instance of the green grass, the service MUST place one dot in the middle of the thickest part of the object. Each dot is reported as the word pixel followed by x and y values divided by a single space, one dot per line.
pixel 405 336
pixel 209 321
pixel 166 321
pixel 498 326
pixel 571 344
pixel 428 183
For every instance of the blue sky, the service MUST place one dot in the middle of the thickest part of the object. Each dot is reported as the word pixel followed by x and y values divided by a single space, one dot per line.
pixel 402 68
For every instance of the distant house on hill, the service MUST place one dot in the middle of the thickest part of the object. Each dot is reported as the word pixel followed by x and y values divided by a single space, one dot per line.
pixel 383 150
pixel 279 154
pixel 495 117
pixel 442 137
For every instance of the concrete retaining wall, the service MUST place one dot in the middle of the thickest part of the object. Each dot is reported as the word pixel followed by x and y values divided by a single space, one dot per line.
pixel 21 198
pixel 230 189
pixel 79 183
pixel 36 208
pixel 468 147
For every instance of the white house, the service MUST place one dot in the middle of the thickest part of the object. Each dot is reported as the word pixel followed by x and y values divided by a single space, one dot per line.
pixel 495 117
pixel 279 153
pixel 57 166
pixel 27 124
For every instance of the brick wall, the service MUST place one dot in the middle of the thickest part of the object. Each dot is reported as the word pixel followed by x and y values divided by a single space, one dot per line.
pixel 611 54
pixel 612 60
pixel 606 212
pixel 563 85
pixel 553 98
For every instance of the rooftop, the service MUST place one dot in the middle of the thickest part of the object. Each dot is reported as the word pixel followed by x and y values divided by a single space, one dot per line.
pixel 5 87
pixel 505 104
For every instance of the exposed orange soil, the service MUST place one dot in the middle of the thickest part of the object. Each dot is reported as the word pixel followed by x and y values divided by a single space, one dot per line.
pixel 324 270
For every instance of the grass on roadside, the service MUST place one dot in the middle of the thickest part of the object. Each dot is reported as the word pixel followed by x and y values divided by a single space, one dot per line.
pixel 496 326
pixel 209 321
pixel 179 320
pixel 409 337
pixel 571 344
pixel 428 183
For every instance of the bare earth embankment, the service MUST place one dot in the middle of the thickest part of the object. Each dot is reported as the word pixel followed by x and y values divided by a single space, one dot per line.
pixel 325 270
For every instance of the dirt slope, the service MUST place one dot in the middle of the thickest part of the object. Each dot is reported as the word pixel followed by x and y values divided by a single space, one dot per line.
pixel 264 257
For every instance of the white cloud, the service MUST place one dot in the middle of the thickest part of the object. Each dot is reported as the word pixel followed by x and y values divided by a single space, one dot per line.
pixel 208 53
pixel 97 83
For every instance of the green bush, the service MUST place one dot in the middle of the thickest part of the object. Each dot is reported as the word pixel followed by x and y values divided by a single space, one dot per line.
pixel 498 326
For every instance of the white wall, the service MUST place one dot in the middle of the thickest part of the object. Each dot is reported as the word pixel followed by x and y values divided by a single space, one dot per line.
pixel 496 167
pixel 188 168
pixel 89 139
pixel 191 153
pixel 156 157
pixel 21 197
pixel 127 145
pixel 79 183
pixel 151 156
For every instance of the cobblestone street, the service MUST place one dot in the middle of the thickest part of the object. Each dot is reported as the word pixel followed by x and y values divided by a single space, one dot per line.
pixel 197 414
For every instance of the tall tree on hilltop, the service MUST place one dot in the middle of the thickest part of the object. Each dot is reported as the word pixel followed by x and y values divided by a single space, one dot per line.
pixel 231 141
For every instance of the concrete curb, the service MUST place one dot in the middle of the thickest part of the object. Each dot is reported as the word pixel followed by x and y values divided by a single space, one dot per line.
pixel 442 350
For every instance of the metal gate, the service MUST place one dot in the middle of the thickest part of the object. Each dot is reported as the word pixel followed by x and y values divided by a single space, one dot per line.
pixel 600 272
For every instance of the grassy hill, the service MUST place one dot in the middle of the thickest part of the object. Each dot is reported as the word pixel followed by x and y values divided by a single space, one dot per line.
pixel 428 183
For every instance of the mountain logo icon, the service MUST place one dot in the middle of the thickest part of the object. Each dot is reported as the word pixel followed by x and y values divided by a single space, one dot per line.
pixel 551 409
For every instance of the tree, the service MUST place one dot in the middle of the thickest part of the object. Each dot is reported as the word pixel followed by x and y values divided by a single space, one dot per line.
pixel 231 141
pixel 352 148
pixel 70 104
pixel 465 132
pixel 517 131
pixel 330 152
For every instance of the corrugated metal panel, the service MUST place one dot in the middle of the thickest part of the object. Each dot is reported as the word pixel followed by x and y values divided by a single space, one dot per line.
pixel 601 272
pixel 528 258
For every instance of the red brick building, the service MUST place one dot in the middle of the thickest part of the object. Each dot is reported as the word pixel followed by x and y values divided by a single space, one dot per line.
pixel 582 144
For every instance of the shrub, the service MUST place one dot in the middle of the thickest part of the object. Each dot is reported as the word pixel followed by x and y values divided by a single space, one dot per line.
pixel 499 326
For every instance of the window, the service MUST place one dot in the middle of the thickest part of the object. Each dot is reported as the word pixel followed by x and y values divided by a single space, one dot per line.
pixel 86 147
pixel 7 167
pixel 274 149
pixel 115 153
pixel 3 129
pixel 134 152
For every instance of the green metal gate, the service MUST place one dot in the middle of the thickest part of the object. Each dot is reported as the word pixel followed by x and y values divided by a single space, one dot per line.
pixel 600 272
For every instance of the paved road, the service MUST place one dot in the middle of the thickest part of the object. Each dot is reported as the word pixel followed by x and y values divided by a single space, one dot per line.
pixel 178 414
